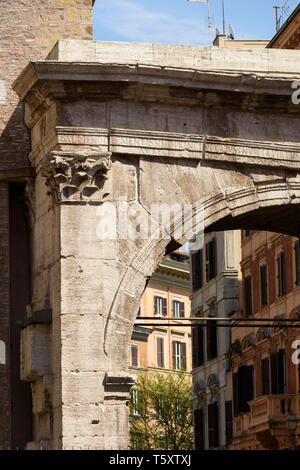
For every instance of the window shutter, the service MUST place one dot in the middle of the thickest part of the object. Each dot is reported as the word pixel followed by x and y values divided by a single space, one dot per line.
pixel 278 377
pixel 199 429
pixel 214 341
pixel 200 269
pixel 181 309
pixel 134 356
pixel 195 347
pixel 193 269
pixel 164 307
pixel 228 422
pixel 208 342
pixel 213 258
pixel 211 417
pixel 235 388
pixel 211 335
pixel 160 352
pixel 213 425
pixel 200 346
pixel 265 376
pixel 263 286
pixel 281 371
pixel 245 386
pixel 279 282
pixel 174 354
pixel 297 262
pixel 283 273
pixel 216 425
pixel 274 373
pixel 248 296
pixel 207 264
pixel 197 270
pixel 155 305
pixel 183 355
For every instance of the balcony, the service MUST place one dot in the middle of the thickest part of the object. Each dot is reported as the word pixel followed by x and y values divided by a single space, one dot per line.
pixel 266 424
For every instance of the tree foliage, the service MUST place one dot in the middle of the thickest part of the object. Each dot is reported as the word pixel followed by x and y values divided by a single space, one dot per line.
pixel 161 416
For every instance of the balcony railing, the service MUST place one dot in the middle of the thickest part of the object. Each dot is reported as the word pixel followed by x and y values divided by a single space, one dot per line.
pixel 266 410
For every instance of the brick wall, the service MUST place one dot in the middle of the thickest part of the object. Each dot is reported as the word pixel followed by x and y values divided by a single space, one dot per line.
pixel 5 410
pixel 28 31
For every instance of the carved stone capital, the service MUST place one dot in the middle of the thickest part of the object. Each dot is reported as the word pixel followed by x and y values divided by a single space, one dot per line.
pixel 78 175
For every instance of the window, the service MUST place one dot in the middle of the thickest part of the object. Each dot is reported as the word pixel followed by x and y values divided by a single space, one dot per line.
pixel 134 355
pixel 243 389
pixel 211 340
pixel 228 422
pixel 263 286
pixel 160 352
pixel 199 429
pixel 197 270
pixel 297 262
pixel 178 258
pixel 248 296
pixel 197 346
pixel 281 274
pixel 179 355
pixel 265 375
pixel 211 259
pixel 278 373
pixel 178 309
pixel 160 306
pixel 213 425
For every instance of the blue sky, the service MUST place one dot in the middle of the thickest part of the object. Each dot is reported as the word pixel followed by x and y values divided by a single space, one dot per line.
pixel 182 22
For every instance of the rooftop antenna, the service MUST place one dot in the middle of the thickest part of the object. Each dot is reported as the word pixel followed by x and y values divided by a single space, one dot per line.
pixel 285 8
pixel 285 11
pixel 277 18
pixel 231 32
pixel 209 18
pixel 223 10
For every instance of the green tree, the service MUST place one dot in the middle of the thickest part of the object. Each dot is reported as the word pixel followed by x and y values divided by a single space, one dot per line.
pixel 161 416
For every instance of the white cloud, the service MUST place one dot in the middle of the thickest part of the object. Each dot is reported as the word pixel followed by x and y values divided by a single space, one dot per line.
pixel 133 22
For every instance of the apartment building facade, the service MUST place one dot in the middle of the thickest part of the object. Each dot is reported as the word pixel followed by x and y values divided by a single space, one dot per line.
pixel 265 372
pixel 164 348
pixel 215 293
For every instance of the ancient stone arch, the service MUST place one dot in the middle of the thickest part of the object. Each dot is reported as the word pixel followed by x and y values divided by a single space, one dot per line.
pixel 117 132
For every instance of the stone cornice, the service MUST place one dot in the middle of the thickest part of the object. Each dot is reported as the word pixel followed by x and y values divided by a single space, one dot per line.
pixel 41 80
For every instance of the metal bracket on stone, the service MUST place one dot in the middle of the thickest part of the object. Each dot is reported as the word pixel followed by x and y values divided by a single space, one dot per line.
pixel 38 317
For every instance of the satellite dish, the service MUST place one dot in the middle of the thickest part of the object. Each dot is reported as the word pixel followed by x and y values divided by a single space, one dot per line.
pixel 218 32
pixel 231 32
